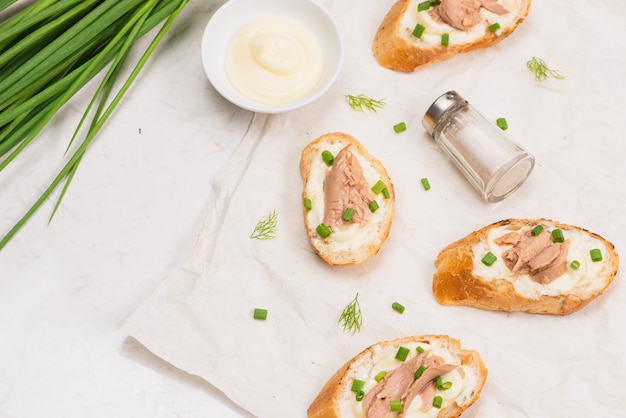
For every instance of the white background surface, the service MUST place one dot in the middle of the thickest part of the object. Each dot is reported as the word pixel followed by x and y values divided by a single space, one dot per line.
pixel 134 210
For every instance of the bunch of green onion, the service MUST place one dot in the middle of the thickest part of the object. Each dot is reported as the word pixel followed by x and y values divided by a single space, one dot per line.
pixel 51 49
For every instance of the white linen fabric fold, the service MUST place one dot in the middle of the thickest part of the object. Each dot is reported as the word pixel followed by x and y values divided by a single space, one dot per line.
pixel 200 316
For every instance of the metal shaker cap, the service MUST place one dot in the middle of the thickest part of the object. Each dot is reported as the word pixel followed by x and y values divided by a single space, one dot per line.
pixel 439 107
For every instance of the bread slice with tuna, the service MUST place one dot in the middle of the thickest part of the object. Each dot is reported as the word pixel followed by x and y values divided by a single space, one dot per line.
pixel 425 376
pixel 348 199
pixel 530 265
pixel 415 33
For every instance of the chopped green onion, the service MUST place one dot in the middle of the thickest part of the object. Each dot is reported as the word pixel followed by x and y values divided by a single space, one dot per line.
pixel 596 255
pixel 395 405
pixel 418 373
pixel 399 127
pixel 575 264
pixel 328 158
pixel 360 395
pixel 357 385
pixel 347 214
pixel 425 183
pixel 308 205
pixel 402 353
pixel 323 231
pixel 536 230
pixel 425 5
pixel 557 236
pixel 397 307
pixel 380 375
pixel 502 124
pixel 260 314
pixel 378 187
pixel 373 206
pixel 386 194
pixel 445 39
pixel 419 349
pixel 489 259
pixel 441 385
pixel 494 27
pixel 437 401
pixel 419 30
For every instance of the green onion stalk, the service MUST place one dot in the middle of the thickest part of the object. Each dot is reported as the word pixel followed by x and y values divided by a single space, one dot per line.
pixel 49 50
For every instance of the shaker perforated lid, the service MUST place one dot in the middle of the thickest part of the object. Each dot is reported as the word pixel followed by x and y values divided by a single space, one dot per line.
pixel 439 107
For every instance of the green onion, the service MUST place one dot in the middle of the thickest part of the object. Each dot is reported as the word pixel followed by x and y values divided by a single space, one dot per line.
pixel 397 307
pixel 328 158
pixel 425 183
pixel 373 206
pixel 419 349
pixel 395 405
pixel 359 396
pixel 308 205
pixel 347 214
pixel 49 51
pixel 557 236
pixel 378 187
pixel 596 255
pixel 441 385
pixel 437 401
pixel 489 259
pixel 445 39
pixel 502 124
pixel 399 127
pixel 260 314
pixel 536 230
pixel 425 5
pixel 494 27
pixel 323 231
pixel 418 373
pixel 380 376
pixel 386 194
pixel 419 30
pixel 357 385
pixel 402 353
pixel 575 264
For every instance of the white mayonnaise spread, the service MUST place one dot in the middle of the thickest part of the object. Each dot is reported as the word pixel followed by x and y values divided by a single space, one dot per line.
pixel 353 235
pixel 274 61
pixel 433 29
pixel 463 379
pixel 581 281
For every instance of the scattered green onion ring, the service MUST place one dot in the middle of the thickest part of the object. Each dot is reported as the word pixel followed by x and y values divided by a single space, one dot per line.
pixel 419 349
pixel 536 230
pixel 402 353
pixel 399 127
pixel 328 158
pixel 357 385
pixel 489 259
pixel 494 27
pixel 323 230
pixel 260 314
pixel 347 214
pixel 395 405
pixel 418 373
pixel 437 401
pixel 373 206
pixel 419 30
pixel 502 124
pixel 445 39
pixel 575 264
pixel 380 375
pixel 425 183
pixel 596 255
pixel 557 236
pixel 308 205
pixel 386 194
pixel 397 307
pixel 378 187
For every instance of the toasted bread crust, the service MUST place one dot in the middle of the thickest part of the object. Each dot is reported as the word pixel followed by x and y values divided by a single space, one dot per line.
pixel 323 248
pixel 398 53
pixel 455 284
pixel 326 405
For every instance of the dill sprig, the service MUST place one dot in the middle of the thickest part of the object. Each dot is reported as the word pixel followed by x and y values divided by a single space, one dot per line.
pixel 541 70
pixel 361 103
pixel 266 227
pixel 351 319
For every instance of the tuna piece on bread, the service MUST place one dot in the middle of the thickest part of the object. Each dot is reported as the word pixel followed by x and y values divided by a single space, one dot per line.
pixel 529 265
pixel 412 35
pixel 348 199
pixel 425 376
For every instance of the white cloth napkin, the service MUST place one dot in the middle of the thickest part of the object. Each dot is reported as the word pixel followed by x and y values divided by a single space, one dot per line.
pixel 200 317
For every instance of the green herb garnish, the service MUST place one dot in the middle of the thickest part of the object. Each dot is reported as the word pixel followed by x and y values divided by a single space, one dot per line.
pixel 266 227
pixel 351 319
pixel 361 103
pixel 541 70
pixel 260 314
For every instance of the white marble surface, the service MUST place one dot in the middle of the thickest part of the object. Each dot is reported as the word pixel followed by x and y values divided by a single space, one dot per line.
pixel 128 218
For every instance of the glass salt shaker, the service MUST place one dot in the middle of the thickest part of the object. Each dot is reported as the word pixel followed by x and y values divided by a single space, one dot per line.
pixel 492 163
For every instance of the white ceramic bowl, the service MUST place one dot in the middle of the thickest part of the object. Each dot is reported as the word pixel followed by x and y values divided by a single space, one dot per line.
pixel 229 19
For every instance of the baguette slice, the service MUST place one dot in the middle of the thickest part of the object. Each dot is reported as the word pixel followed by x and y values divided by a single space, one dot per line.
pixel 337 400
pixel 350 242
pixel 397 48
pixel 462 279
